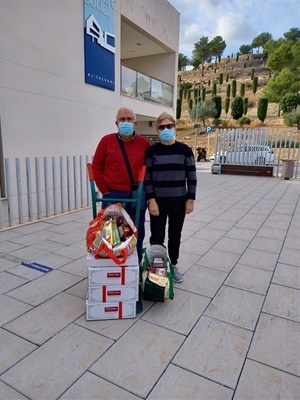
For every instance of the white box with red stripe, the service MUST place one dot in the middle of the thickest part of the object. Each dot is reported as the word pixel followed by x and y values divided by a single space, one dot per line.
pixel 110 294
pixel 120 310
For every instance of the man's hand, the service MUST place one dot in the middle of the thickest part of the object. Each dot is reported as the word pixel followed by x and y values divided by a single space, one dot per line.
pixel 153 207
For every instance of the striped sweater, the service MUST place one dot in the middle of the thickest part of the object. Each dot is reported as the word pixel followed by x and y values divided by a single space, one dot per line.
pixel 171 173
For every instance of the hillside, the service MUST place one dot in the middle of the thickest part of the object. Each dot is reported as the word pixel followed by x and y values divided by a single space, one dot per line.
pixel 240 71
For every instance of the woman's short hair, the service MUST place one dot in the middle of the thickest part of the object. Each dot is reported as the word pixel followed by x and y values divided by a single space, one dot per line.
pixel 163 116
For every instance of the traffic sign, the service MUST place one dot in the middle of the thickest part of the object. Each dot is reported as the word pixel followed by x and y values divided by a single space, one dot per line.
pixel 208 129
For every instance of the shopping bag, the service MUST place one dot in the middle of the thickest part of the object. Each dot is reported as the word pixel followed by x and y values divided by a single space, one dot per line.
pixel 112 234
pixel 156 282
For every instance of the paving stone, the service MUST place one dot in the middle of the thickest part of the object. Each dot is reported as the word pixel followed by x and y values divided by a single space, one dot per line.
pixel 236 306
pixel 291 243
pixel 91 387
pixel 259 259
pixel 29 253
pixel 277 223
pixel 248 224
pixel 196 246
pixel 9 281
pixel 241 233
pixel 74 251
pixel 283 302
pixel 215 350
pixel 209 234
pixel 11 309
pixel 276 343
pixel 45 287
pixel 203 281
pixel 231 245
pixel 259 381
pixel 34 237
pixel 8 234
pixel 77 267
pixel 186 260
pixel 71 237
pixel 68 354
pixel 51 260
pixel 220 224
pixel 132 372
pixel 178 384
pixel 46 320
pixel 287 275
pixel 79 290
pixel 9 246
pixel 254 280
pixel 7 393
pixel 27 273
pixel 220 260
pixel 13 349
pixel 49 245
pixel 271 233
pixel 290 256
pixel 266 244
pixel 179 314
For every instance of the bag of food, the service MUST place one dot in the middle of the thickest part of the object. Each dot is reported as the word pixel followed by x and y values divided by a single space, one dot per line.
pixel 112 234
pixel 156 274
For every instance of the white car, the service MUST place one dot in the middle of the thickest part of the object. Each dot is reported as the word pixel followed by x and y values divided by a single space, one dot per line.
pixel 245 154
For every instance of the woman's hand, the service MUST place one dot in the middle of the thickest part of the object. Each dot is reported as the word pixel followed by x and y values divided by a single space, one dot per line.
pixel 189 206
pixel 153 207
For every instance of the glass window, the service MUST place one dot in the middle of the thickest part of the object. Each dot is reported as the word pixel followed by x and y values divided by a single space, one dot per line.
pixel 167 98
pixel 128 81
pixel 156 91
pixel 143 87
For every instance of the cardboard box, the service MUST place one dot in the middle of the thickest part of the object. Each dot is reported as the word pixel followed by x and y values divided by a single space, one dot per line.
pixel 113 276
pixel 112 294
pixel 99 311
pixel 91 261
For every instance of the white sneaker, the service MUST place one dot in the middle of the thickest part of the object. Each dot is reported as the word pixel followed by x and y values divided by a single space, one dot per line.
pixel 178 277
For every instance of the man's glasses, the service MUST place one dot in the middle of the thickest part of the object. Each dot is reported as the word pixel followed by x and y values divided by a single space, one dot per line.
pixel 129 119
pixel 168 126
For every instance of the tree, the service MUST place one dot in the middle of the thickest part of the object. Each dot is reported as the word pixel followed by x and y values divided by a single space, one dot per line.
pixel 289 103
pixel 283 84
pixel 201 53
pixel 262 108
pixel 233 88
pixel 281 57
pixel 245 49
pixel 218 102
pixel 254 84
pixel 206 110
pixel 245 105
pixel 183 62
pixel 237 107
pixel 217 46
pixel 227 103
pixel 260 40
pixel 292 118
pixel 242 89
pixel 178 109
pixel 293 34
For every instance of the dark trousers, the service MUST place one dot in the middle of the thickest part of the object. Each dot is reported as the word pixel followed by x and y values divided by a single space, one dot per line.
pixel 175 224
pixel 131 211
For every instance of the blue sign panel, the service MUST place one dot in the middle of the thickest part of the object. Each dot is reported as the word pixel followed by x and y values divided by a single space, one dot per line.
pixel 208 129
pixel 99 42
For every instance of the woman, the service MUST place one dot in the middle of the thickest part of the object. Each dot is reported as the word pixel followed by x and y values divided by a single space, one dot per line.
pixel 170 185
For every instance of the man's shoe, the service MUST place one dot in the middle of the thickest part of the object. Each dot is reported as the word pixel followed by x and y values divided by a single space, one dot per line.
pixel 178 277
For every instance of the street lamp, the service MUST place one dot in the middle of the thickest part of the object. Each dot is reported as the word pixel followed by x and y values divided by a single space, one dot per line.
pixel 196 125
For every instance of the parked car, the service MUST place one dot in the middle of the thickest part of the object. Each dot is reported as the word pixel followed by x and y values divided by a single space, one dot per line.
pixel 245 154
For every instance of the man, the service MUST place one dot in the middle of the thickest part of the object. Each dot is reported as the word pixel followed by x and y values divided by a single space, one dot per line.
pixel 110 170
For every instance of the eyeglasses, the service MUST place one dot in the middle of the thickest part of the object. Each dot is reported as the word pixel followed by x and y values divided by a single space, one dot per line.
pixel 168 126
pixel 123 119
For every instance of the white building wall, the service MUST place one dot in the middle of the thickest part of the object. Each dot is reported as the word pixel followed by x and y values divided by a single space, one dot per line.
pixel 46 107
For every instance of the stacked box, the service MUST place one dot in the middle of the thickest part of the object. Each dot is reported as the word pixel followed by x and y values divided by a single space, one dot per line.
pixel 113 290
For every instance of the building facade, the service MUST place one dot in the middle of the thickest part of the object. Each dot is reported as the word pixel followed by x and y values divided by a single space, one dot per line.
pixel 67 66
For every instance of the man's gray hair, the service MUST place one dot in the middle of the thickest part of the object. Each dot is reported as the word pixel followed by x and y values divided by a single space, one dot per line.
pixel 125 108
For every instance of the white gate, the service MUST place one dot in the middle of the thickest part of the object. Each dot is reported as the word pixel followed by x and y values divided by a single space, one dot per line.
pixel 257 147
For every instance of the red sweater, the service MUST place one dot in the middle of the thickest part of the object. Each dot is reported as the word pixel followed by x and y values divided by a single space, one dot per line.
pixel 109 167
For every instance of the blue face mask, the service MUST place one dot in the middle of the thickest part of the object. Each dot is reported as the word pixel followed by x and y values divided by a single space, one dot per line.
pixel 126 128
pixel 167 134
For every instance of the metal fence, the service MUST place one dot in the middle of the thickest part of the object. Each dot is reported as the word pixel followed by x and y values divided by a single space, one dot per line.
pixel 260 146
pixel 42 187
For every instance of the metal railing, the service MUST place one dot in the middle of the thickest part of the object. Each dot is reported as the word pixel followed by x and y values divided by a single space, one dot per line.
pixel 259 146
pixel 42 187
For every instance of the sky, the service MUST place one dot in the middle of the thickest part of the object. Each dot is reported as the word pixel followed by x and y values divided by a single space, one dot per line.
pixel 237 21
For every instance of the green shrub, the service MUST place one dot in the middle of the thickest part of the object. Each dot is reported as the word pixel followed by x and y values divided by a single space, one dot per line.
pixel 244 121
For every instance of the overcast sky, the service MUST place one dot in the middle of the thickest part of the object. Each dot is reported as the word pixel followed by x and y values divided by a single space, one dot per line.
pixel 237 21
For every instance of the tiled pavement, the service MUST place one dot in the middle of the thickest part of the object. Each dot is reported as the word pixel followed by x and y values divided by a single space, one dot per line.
pixel 231 332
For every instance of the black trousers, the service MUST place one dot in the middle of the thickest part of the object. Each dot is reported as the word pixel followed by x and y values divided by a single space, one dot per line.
pixel 175 224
